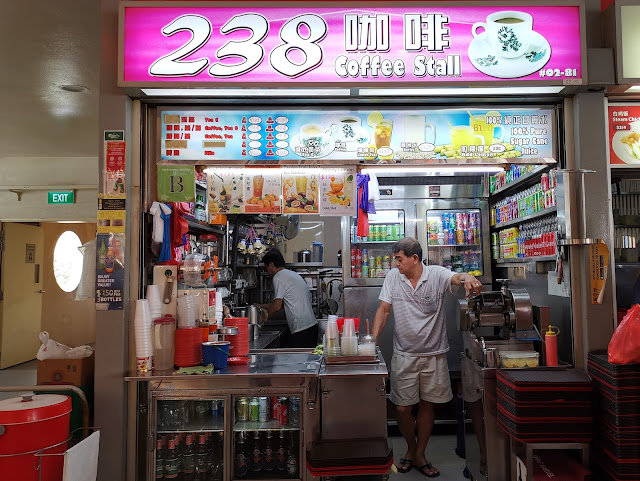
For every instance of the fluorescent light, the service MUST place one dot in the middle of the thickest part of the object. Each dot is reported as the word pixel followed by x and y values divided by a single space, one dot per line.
pixel 222 92
pixel 249 170
pixel 433 169
pixel 633 89
pixel 465 91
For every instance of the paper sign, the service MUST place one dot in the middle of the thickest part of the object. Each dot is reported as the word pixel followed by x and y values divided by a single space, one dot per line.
pixel 300 190
pixel 109 271
pixel 111 215
pixel 338 192
pixel 598 266
pixel 176 183
pixel 347 46
pixel 263 190
pixel 226 191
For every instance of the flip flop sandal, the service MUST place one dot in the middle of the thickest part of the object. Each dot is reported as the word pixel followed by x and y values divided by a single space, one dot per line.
pixel 402 463
pixel 427 466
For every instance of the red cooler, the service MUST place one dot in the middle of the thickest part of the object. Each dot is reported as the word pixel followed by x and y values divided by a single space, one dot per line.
pixel 32 424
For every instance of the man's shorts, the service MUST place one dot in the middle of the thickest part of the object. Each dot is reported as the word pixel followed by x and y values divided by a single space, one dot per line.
pixel 415 378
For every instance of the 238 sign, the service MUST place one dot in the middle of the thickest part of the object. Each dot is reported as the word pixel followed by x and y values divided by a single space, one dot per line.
pixel 249 50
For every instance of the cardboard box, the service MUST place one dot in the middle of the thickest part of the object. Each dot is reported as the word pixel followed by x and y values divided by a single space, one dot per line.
pixel 78 372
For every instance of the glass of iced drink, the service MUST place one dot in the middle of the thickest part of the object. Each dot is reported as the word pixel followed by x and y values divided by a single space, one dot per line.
pixel 382 133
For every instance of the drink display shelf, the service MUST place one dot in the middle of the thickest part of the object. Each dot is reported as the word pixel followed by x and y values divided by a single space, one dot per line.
pixel 375 242
pixel 520 260
pixel 523 182
pixel 520 220
pixel 271 425
pixel 210 427
pixel 454 245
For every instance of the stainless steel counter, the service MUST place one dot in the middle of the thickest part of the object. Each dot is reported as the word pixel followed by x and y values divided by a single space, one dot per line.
pixel 266 338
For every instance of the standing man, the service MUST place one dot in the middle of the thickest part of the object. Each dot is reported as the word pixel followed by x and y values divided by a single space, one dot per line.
pixel 292 291
pixel 419 371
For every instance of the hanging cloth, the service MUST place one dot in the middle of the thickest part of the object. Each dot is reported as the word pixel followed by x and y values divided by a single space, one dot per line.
pixel 363 205
pixel 179 228
pixel 165 218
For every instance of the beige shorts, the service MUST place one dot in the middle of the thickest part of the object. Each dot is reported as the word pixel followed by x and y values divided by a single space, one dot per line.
pixel 415 378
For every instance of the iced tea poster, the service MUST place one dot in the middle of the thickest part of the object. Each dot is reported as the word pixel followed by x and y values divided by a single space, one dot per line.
pixel 358 136
pixel 338 192
pixel 624 134
pixel 413 43
pixel 263 188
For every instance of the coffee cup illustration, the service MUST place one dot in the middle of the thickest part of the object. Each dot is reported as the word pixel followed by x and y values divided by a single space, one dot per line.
pixel 509 32
pixel 346 129
pixel 313 137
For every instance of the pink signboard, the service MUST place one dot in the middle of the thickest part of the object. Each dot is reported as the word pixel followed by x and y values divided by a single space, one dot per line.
pixel 416 43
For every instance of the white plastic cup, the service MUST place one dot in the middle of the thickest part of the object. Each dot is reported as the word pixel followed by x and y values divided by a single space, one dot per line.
pixel 332 329
pixel 349 328
pixel 349 345
pixel 155 301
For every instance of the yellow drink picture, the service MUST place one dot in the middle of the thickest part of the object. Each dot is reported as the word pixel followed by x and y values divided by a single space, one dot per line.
pixel 382 134
pixel 337 183
pixel 258 183
pixel 464 135
pixel 301 185
pixel 480 127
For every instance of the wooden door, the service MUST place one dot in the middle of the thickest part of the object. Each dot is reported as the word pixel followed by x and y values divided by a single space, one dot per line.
pixel 21 285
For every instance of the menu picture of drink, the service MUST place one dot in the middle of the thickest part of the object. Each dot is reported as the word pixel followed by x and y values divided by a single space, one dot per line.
pixel 263 188
pixel 300 190
pixel 226 194
pixel 337 192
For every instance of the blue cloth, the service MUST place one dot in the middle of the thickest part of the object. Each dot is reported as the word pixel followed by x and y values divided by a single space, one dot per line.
pixel 165 252
pixel 363 197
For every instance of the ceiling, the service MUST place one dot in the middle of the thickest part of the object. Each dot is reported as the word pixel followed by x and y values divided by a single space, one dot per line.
pixel 46 44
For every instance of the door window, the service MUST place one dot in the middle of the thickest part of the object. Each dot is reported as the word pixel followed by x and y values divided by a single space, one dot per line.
pixel 67 261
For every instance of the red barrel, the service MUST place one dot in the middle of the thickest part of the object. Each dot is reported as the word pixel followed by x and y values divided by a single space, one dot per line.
pixel 239 343
pixel 33 425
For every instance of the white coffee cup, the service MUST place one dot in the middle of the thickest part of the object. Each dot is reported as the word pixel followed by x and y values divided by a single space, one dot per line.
pixel 347 128
pixel 509 32
pixel 415 129
pixel 313 137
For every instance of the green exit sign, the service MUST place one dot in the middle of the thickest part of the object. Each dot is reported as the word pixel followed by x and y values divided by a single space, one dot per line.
pixel 64 197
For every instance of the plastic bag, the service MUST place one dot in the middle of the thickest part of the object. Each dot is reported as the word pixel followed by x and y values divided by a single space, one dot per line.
pixel 51 349
pixel 624 347
pixel 87 287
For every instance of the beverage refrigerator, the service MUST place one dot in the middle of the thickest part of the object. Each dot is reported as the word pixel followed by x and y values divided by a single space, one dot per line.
pixel 449 216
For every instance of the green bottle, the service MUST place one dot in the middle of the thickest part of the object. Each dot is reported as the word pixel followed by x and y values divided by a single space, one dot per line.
pixel 102 256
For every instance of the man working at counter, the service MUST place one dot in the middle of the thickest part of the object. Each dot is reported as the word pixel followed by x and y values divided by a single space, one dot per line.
pixel 419 371
pixel 292 291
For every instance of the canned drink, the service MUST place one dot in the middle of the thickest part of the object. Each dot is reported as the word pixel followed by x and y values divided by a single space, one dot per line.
pixel 294 411
pixel 445 221
pixel 242 408
pixel 264 409
pixel 492 184
pixel 473 220
pixel 465 220
pixel 389 232
pixel 386 262
pixel 544 180
pixel 365 256
pixel 283 411
pixel 379 272
pixel 494 239
pixel 365 271
pixel 470 236
pixel 378 262
pixel 274 407
pixel 460 236
pixel 383 232
pixel 394 232
pixel 451 237
pixel 254 409
pixel 459 220
pixel 433 239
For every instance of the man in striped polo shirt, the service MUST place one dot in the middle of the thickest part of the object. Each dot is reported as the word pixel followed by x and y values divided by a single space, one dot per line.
pixel 419 372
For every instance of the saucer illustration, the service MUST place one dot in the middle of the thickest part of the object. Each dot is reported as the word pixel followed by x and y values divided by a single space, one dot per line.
pixel 311 152
pixel 352 139
pixel 488 62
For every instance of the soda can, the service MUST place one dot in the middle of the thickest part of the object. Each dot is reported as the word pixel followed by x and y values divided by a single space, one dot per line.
pixel 465 220
pixel 242 408
pixel 214 409
pixel 283 411
pixel 394 232
pixel 365 256
pixel 460 236
pixel 459 220
pixel 452 221
pixel 469 237
pixel 294 411
pixel 544 180
pixel 264 409
pixel 254 409
pixel 274 407
pixel 389 232
pixel 364 271
pixel 452 235
pixel 472 220
pixel 494 239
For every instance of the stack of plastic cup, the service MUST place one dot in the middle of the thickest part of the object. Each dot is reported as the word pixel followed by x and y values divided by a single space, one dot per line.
pixel 144 344
pixel 186 312
pixel 219 304
pixel 332 339
pixel 349 340
pixel 154 297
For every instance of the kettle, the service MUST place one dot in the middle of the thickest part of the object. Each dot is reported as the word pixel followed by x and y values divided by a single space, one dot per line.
pixel 304 256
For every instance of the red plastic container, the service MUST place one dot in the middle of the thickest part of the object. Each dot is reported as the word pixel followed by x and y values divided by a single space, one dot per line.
pixel 38 424
pixel 188 347
pixel 239 346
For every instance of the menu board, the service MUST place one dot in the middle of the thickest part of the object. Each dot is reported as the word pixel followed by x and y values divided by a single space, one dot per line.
pixel 300 190
pixel 226 191
pixel 416 43
pixel 263 187
pixel 624 134
pixel 358 136
pixel 338 192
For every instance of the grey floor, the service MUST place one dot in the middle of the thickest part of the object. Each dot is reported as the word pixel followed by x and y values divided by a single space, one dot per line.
pixel 21 375
pixel 440 452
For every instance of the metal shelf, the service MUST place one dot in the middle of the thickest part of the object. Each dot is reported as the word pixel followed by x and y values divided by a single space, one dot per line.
pixel 374 242
pixel 454 245
pixel 524 260
pixel 522 181
pixel 520 220
pixel 196 225
pixel 272 425
pixel 214 427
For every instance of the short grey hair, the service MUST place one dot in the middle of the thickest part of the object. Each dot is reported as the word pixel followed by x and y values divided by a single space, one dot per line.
pixel 408 245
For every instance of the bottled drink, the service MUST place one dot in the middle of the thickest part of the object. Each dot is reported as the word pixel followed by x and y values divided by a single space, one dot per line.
pixel 294 411
pixel 256 453
pixel 281 454
pixel 202 459
pixel 240 464
pixel 269 458
pixel 215 461
pixel 159 459
pixel 292 455
pixel 187 459
pixel 171 461
pixel 102 255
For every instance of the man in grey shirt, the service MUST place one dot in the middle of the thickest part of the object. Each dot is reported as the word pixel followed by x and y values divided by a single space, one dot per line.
pixel 293 292
pixel 419 371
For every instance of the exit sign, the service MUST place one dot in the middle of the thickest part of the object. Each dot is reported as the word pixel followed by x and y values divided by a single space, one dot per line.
pixel 64 197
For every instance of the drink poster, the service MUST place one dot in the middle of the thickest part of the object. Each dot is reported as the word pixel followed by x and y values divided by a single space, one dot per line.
pixel 176 183
pixel 427 136
pixel 300 190
pixel 415 43
pixel 263 190
pixel 109 271
pixel 338 192
pixel 624 134
pixel 226 191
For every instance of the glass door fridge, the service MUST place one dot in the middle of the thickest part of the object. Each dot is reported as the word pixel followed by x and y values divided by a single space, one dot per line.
pixel 457 237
